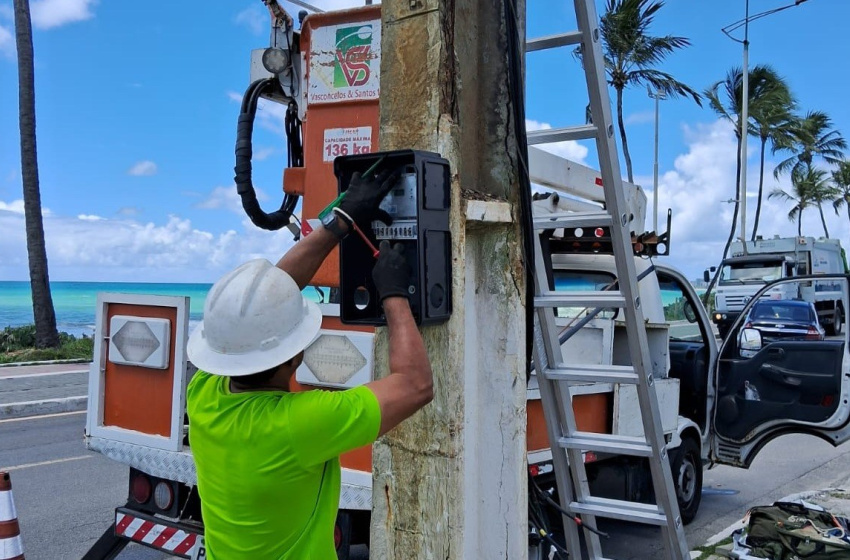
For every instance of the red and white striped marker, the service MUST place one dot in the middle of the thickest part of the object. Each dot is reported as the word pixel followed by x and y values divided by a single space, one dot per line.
pixel 11 545
pixel 163 537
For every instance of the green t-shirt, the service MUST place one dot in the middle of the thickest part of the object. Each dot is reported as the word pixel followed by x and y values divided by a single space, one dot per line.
pixel 268 465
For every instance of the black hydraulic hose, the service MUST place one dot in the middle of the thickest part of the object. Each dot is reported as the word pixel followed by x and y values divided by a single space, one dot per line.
pixel 244 152
pixel 517 104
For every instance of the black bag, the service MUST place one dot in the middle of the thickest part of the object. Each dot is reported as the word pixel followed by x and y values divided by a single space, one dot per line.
pixel 792 531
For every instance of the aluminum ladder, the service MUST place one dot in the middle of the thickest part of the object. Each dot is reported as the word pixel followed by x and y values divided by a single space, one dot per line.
pixel 555 374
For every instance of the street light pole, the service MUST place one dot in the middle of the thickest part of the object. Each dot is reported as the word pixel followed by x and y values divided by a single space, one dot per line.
pixel 745 87
pixel 657 95
pixel 745 94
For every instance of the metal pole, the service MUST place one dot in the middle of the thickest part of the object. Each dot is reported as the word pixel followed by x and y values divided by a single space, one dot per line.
pixel 655 173
pixel 742 195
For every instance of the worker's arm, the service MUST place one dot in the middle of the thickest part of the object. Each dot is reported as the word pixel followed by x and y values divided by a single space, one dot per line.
pixel 304 259
pixel 360 204
pixel 410 384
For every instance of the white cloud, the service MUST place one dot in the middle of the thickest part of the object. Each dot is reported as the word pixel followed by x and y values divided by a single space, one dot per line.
pixel 640 117
pixel 697 190
pixel 570 149
pixel 54 13
pixel 264 153
pixel 143 169
pixel 129 211
pixel 89 217
pixel 16 206
pixel 7 42
pixel 129 250
pixel 254 18
pixel 226 198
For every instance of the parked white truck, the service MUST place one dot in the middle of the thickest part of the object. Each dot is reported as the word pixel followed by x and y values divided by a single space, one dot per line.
pixel 765 260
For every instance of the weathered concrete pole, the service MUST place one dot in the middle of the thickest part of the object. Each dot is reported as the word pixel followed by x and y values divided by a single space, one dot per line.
pixel 450 483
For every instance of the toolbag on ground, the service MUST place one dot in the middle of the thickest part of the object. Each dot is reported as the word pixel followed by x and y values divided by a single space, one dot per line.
pixel 796 531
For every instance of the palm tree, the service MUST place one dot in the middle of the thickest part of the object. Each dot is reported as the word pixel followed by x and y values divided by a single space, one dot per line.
pixel 812 138
pixel 773 121
pixel 841 180
pixel 631 52
pixel 724 97
pixel 42 301
pixel 808 185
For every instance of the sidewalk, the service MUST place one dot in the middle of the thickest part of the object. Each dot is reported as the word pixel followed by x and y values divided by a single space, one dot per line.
pixel 47 388
pixel 834 500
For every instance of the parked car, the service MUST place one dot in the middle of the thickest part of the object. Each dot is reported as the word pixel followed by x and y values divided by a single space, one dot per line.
pixel 785 320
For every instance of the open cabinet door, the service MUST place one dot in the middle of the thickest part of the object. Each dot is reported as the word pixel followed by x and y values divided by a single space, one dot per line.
pixel 778 373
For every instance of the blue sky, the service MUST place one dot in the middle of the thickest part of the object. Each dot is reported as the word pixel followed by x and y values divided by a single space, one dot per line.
pixel 137 106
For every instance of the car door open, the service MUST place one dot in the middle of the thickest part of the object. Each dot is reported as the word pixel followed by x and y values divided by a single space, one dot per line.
pixel 777 374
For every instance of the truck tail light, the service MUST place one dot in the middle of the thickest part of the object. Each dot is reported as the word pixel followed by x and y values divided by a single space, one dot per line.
pixel 152 494
pixel 140 488
pixel 163 495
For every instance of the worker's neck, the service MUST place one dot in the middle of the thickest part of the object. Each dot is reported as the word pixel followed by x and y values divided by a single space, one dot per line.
pixel 279 382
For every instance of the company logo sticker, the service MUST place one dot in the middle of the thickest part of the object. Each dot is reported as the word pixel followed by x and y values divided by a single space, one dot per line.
pixel 353 56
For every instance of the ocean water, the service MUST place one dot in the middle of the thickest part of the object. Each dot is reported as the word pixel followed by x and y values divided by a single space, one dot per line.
pixel 75 302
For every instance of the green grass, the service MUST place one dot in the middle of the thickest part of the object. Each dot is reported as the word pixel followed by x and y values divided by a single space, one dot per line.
pixel 17 344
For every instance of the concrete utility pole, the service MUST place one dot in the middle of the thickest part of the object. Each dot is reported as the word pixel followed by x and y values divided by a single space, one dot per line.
pixel 450 483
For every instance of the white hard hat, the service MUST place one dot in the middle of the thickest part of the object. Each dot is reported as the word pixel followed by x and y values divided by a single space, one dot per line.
pixel 255 318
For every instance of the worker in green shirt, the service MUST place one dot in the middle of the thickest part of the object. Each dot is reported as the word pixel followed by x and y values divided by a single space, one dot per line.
pixel 267 459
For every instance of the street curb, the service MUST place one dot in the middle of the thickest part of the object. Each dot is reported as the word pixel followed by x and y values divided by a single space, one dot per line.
pixel 47 363
pixel 38 408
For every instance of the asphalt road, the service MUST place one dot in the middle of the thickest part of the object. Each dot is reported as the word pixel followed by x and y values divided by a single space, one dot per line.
pixel 65 496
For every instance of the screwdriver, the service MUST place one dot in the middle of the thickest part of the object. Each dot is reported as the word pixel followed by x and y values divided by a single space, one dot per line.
pixel 338 199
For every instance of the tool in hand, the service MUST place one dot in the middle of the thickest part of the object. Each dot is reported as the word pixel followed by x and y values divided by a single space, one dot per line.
pixel 330 207
pixel 353 224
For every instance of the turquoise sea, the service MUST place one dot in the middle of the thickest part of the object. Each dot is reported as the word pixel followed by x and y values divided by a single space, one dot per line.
pixel 75 302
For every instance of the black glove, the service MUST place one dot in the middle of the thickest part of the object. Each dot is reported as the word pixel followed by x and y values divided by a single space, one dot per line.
pixel 391 273
pixel 363 197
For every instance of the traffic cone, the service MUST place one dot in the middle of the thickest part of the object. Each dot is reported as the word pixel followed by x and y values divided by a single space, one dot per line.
pixel 11 546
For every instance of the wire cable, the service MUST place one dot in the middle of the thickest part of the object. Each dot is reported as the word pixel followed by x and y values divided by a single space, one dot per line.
pixel 243 168
pixel 517 106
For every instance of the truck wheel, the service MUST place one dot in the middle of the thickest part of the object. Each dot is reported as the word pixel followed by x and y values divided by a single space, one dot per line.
pixel 342 535
pixel 686 464
pixel 837 322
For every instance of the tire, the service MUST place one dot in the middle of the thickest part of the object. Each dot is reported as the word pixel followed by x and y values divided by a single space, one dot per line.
pixel 686 466
pixel 342 535
pixel 837 322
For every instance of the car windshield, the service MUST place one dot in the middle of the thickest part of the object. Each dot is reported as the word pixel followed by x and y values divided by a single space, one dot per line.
pixel 753 272
pixel 576 281
pixel 778 311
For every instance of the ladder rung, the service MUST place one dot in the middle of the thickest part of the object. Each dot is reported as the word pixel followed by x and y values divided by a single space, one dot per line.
pixel 591 373
pixel 553 41
pixel 607 443
pixel 550 135
pixel 609 299
pixel 620 509
pixel 574 220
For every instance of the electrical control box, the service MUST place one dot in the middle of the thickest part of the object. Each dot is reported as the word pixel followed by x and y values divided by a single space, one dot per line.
pixel 419 204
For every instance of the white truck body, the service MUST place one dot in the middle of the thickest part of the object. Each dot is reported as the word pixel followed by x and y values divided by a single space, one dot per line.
pixel 766 260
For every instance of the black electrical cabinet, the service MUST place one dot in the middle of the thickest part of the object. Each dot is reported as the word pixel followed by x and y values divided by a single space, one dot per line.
pixel 419 204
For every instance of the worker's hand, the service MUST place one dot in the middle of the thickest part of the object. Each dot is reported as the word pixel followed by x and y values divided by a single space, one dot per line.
pixel 363 198
pixel 391 273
